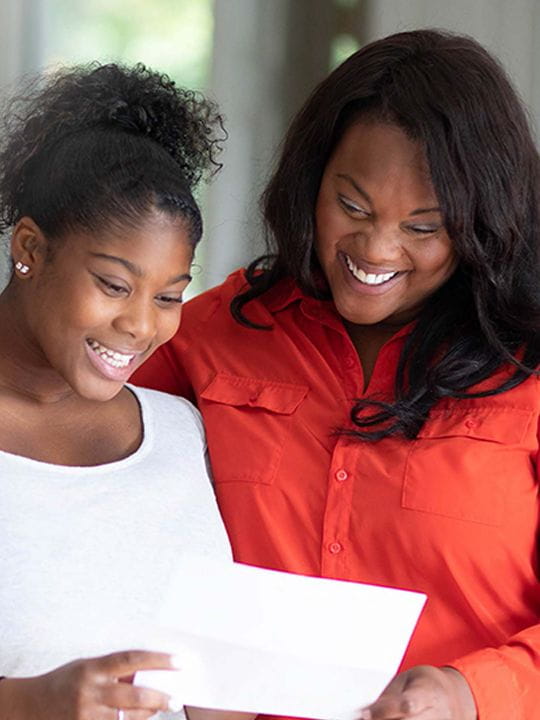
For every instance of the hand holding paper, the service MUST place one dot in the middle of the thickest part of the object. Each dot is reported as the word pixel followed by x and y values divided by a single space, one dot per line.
pixel 269 642
pixel 426 691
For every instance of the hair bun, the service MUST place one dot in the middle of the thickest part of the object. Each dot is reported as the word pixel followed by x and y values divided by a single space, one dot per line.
pixel 130 116
pixel 55 107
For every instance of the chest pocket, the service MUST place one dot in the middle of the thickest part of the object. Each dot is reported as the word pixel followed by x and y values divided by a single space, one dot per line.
pixel 462 464
pixel 247 421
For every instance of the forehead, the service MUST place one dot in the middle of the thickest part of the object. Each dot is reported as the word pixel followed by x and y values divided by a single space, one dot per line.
pixel 157 244
pixel 139 235
pixel 380 152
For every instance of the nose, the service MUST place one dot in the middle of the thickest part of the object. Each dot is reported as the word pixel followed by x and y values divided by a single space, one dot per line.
pixel 137 318
pixel 380 244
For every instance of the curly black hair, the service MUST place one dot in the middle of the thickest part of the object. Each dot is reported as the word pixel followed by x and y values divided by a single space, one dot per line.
pixel 96 144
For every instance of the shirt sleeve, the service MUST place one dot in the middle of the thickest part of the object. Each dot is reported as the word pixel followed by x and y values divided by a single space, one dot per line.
pixel 165 371
pixel 505 681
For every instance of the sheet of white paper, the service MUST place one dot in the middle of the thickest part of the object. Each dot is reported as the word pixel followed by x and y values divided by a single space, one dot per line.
pixel 271 642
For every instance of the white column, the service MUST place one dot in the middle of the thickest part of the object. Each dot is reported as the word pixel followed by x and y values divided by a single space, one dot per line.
pixel 249 42
pixel 268 54
pixel 21 39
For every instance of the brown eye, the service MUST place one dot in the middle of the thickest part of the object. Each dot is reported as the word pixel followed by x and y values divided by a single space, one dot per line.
pixel 425 229
pixel 110 288
pixel 169 300
pixel 351 207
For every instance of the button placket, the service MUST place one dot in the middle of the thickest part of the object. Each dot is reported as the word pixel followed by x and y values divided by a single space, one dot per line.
pixel 338 507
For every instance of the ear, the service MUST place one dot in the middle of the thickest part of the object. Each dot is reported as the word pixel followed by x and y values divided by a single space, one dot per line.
pixel 28 246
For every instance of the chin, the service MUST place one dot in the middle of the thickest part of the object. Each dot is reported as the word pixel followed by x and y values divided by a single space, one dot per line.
pixel 367 321
pixel 97 391
pixel 364 318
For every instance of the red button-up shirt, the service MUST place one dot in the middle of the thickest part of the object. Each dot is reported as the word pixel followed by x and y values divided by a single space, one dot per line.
pixel 453 514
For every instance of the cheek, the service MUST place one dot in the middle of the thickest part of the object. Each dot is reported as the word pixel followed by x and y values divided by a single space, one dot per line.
pixel 169 325
pixel 67 307
pixel 438 261
pixel 330 228
pixel 88 310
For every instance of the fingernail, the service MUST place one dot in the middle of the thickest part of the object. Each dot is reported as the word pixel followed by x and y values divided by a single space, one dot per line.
pixel 176 662
pixel 175 705
pixel 365 714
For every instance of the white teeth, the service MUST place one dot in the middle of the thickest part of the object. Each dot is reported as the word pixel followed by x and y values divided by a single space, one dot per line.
pixel 368 278
pixel 111 357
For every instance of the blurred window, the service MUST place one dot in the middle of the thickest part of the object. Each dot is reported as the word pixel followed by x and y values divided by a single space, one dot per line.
pixel 173 36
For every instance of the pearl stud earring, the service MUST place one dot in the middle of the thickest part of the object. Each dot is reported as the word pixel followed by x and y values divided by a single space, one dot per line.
pixel 22 268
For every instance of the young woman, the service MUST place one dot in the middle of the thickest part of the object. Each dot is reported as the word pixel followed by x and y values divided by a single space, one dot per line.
pixel 370 388
pixel 103 485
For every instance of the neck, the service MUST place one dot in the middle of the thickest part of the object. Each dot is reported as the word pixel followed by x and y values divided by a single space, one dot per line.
pixel 376 334
pixel 368 341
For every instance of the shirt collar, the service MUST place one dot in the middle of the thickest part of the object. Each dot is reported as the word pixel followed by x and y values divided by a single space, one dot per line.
pixel 286 291
pixel 282 294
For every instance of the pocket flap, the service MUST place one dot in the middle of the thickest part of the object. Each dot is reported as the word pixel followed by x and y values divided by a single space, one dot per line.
pixel 282 398
pixel 503 425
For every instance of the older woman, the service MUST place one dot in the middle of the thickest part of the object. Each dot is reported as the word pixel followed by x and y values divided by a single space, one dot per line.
pixel 370 387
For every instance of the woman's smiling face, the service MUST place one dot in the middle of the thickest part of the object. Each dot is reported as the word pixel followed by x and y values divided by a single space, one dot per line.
pixel 380 237
pixel 104 302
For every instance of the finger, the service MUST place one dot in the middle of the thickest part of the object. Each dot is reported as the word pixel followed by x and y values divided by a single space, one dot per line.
pixel 121 714
pixel 385 708
pixel 137 715
pixel 420 693
pixel 127 678
pixel 415 700
pixel 406 704
pixel 128 662
pixel 132 697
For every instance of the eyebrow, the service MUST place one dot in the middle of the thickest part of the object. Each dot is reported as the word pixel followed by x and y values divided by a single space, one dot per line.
pixel 420 211
pixel 356 186
pixel 361 191
pixel 135 269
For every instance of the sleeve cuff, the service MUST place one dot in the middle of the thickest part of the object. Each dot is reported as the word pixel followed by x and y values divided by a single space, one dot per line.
pixel 493 685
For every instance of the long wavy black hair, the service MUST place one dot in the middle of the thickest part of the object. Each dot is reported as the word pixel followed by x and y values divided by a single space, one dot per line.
pixel 96 144
pixel 451 95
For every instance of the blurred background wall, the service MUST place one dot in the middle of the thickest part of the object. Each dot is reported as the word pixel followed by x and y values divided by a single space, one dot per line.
pixel 258 59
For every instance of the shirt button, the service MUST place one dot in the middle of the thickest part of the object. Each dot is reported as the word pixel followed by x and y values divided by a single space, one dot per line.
pixel 335 547
pixel 341 475
pixel 350 361
pixel 470 423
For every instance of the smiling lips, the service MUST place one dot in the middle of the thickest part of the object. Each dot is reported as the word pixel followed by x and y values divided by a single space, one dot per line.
pixel 368 278
pixel 111 357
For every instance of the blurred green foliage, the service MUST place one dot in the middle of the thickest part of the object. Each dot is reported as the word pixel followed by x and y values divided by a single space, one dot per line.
pixel 173 36
pixel 342 47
